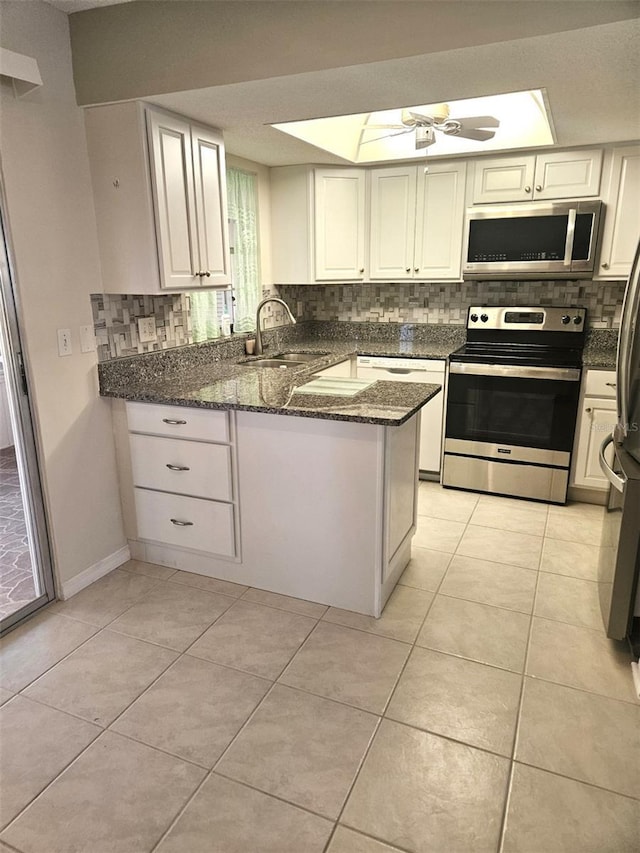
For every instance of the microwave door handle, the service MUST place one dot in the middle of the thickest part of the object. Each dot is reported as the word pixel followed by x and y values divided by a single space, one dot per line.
pixel 616 480
pixel 571 232
pixel 630 308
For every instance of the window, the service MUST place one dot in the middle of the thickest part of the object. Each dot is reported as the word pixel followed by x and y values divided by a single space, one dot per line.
pixel 240 302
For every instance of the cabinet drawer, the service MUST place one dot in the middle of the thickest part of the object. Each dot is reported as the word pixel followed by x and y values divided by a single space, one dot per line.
pixel 206 525
pixel 600 383
pixel 187 467
pixel 178 421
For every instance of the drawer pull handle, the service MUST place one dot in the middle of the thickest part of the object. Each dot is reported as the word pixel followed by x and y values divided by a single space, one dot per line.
pixel 178 467
pixel 611 384
pixel 172 422
pixel 179 523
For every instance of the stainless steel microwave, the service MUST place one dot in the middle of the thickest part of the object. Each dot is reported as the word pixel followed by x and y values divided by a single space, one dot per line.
pixel 532 240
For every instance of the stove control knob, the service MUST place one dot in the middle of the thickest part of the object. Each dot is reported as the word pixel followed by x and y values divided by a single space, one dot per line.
pixel 484 317
pixel 474 318
pixel 577 320
pixel 565 320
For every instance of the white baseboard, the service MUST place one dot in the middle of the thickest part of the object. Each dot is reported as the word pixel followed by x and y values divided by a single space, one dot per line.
pixel 95 572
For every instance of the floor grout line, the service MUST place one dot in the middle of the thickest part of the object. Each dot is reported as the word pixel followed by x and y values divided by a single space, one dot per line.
pixel 209 772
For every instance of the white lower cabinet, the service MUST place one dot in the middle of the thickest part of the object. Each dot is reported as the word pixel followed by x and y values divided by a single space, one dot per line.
pixel 182 479
pixel 317 509
pixel 185 522
pixel 432 371
pixel 596 419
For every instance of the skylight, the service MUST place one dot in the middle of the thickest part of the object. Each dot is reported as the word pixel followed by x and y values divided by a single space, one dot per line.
pixel 404 134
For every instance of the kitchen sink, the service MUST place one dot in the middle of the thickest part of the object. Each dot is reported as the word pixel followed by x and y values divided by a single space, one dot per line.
pixel 285 359
pixel 299 356
pixel 273 362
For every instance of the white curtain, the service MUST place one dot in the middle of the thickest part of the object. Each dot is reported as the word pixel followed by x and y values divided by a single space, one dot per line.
pixel 208 307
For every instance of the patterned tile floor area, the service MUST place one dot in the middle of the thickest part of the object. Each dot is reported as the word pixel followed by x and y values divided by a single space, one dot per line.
pixel 16 577
pixel 484 711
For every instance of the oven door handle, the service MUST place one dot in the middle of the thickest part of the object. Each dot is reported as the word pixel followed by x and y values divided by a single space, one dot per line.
pixel 617 481
pixel 564 374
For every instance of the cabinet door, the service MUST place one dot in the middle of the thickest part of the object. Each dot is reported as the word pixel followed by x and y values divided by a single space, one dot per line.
pixel 567 174
pixel 622 216
pixel 211 205
pixel 504 179
pixel 597 419
pixel 393 213
pixel 439 220
pixel 174 203
pixel 339 224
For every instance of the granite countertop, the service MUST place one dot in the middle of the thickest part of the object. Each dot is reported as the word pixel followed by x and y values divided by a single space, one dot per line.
pixel 600 348
pixel 234 384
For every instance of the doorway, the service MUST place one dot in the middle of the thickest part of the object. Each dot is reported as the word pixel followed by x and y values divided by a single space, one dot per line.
pixel 26 577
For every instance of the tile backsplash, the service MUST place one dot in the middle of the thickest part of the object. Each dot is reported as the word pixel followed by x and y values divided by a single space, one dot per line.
pixel 417 302
pixel 116 316
pixel 115 321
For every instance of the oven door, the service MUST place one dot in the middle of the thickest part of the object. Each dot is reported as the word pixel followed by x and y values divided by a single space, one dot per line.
pixel 515 413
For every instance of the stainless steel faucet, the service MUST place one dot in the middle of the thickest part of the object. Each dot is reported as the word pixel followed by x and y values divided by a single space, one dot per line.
pixel 259 349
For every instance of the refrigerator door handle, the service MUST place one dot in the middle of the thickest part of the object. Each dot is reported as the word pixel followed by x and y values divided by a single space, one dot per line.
pixel 617 481
pixel 630 307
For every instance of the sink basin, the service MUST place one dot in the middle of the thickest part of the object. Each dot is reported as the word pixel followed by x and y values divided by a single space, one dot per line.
pixel 273 362
pixel 299 356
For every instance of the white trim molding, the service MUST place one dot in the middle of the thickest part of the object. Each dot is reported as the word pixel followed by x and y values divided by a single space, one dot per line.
pixel 94 572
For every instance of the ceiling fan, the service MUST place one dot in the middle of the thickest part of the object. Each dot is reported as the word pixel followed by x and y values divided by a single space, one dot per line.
pixel 424 126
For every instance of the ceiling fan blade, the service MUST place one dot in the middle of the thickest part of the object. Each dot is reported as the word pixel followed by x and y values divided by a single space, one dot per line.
pixel 385 127
pixel 388 135
pixel 469 122
pixel 474 133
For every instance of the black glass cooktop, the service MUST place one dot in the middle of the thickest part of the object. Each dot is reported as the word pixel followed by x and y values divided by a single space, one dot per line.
pixel 518 354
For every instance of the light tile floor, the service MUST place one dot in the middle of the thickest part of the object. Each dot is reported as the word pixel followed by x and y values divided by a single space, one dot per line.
pixel 484 711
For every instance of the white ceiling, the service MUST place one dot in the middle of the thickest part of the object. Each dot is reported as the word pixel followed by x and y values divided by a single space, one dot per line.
pixel 591 76
pixel 592 79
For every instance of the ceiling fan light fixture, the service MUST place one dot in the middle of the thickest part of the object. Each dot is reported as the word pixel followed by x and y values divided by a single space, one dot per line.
pixel 425 136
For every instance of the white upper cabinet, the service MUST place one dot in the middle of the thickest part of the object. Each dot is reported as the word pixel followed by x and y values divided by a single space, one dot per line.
pixel 439 220
pixel 550 175
pixel 393 219
pixel 340 228
pixel 621 196
pixel 160 197
pixel 416 221
pixel 318 224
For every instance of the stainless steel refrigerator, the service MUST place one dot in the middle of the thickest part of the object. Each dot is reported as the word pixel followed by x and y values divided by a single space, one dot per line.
pixel 620 554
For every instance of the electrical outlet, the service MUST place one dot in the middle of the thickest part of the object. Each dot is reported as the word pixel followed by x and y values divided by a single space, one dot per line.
pixel 64 342
pixel 147 330
pixel 87 339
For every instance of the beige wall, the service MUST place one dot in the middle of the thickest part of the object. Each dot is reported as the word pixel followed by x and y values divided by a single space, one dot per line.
pixel 50 211
pixel 133 50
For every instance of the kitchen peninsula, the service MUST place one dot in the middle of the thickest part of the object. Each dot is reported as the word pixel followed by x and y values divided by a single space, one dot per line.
pixel 231 470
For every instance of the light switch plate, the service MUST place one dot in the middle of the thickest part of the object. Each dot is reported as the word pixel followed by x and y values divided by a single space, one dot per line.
pixel 64 342
pixel 87 339
pixel 147 330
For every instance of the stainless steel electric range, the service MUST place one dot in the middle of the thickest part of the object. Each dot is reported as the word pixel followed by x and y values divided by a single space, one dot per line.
pixel 512 402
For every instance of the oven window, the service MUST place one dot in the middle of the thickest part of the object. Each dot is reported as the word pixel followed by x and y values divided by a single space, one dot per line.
pixel 538 413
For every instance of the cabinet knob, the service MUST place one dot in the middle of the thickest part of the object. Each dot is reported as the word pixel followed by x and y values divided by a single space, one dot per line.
pixel 605 266
pixel 527 189
pixel 588 409
pixel 416 269
pixel 408 269
pixel 361 269
pixel 538 188
pixel 207 273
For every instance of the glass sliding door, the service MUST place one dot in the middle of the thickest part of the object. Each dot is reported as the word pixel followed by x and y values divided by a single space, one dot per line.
pixel 26 578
